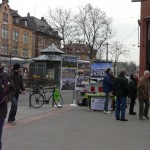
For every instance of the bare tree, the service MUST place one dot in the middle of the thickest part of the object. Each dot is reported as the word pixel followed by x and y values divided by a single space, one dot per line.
pixel 61 20
pixel 94 28
pixel 117 49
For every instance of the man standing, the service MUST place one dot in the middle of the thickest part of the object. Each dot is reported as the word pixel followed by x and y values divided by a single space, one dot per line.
pixel 107 88
pixel 121 90
pixel 143 89
pixel 6 92
pixel 19 88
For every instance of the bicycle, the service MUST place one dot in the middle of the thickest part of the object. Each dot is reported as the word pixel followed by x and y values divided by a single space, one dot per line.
pixel 38 97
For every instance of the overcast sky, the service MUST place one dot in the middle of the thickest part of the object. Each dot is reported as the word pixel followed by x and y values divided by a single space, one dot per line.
pixel 124 13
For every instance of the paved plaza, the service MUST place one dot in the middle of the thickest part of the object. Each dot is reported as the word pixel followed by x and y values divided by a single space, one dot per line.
pixel 73 128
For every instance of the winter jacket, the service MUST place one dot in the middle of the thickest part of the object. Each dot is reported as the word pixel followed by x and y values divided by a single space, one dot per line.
pixel 18 82
pixel 143 89
pixel 107 83
pixel 121 87
pixel 132 89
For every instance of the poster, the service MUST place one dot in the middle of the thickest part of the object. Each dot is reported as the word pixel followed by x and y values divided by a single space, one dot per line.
pixel 98 103
pixel 98 68
pixel 68 72
pixel 83 74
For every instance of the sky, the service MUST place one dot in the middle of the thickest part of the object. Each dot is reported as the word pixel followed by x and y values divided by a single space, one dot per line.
pixel 124 13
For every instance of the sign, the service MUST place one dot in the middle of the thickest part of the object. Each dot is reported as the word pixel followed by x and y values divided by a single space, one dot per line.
pixel 98 103
pixel 98 68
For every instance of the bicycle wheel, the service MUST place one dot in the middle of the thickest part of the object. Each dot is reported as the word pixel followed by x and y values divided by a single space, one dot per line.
pixel 59 102
pixel 37 100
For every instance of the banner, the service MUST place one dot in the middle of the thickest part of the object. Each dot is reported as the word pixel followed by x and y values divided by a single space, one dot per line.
pixel 98 68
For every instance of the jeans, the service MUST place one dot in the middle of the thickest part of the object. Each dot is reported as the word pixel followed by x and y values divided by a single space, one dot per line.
pixel 1 130
pixel 107 97
pixel 13 109
pixel 120 107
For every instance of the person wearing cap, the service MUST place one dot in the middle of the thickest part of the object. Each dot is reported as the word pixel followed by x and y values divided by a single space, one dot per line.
pixel 121 91
pixel 107 88
pixel 6 95
pixel 143 93
pixel 19 88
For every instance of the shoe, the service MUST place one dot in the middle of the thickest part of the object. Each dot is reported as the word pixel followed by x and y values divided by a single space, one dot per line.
pixel 12 122
pixel 141 118
pixel 146 117
pixel 117 118
pixel 124 120
pixel 107 112
pixel 133 113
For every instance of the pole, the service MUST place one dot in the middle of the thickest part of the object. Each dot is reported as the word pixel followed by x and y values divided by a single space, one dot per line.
pixel 107 51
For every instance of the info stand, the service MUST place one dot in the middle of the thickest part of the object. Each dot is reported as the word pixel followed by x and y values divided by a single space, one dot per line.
pixel 74 99
pixel 96 102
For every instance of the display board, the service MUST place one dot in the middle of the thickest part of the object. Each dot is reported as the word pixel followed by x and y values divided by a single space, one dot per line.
pixel 98 68
pixel 97 103
pixel 68 72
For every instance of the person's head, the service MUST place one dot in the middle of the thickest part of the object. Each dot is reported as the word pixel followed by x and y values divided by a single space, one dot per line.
pixel 146 74
pixel 122 73
pixel 108 71
pixel 16 67
pixel 133 76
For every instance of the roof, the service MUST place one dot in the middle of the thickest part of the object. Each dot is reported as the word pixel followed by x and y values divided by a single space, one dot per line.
pixel 42 58
pixel 52 49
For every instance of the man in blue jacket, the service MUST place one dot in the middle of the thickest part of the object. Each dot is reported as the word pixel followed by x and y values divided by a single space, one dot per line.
pixel 107 88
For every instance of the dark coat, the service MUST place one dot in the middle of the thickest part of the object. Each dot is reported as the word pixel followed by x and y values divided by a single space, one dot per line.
pixel 121 87
pixel 18 82
pixel 107 83
pixel 132 89
pixel 9 95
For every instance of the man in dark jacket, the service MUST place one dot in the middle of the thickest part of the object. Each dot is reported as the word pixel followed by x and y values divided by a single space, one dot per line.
pixel 19 88
pixel 132 93
pixel 6 95
pixel 107 88
pixel 121 90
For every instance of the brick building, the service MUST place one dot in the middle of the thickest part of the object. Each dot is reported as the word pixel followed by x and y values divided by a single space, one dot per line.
pixel 24 37
pixel 144 24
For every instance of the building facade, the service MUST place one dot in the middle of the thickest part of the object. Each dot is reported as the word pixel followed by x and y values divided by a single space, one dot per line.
pixel 144 24
pixel 24 37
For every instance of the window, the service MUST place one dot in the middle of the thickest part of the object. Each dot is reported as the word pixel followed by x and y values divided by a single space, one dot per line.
pixel 25 38
pixel 15 35
pixel 15 52
pixel 4 50
pixel 25 52
pixel 5 16
pixel 4 33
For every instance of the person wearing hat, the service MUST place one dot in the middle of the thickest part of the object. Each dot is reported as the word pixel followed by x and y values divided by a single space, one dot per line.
pixel 6 93
pixel 19 88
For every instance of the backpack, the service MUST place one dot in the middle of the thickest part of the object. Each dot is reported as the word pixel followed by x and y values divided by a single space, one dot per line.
pixel 5 88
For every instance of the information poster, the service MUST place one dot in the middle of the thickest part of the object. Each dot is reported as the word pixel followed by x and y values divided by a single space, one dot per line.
pixel 98 68
pixel 83 74
pixel 98 103
pixel 68 72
